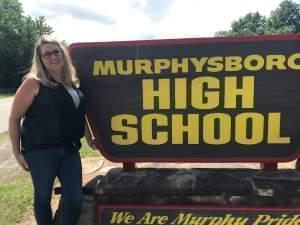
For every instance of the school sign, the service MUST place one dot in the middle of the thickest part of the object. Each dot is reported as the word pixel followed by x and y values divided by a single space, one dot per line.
pixel 210 99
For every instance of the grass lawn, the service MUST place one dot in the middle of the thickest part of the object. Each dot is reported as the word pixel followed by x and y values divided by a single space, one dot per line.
pixel 16 196
pixel 3 136
pixel 15 199
pixel 6 93
pixel 86 151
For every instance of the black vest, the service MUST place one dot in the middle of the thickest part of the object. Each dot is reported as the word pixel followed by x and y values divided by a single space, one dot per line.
pixel 52 120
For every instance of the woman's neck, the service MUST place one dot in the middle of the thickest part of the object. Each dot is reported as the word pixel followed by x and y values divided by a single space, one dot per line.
pixel 56 77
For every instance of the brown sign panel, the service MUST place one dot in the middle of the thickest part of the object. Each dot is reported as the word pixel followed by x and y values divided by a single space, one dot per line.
pixel 208 100
pixel 184 215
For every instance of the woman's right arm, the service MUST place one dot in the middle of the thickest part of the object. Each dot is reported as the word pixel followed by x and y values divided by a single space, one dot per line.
pixel 22 100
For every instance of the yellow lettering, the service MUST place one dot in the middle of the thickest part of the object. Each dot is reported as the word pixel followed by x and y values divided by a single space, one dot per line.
pixel 233 63
pixel 162 219
pixel 182 219
pixel 215 64
pixel 148 129
pixel 184 66
pixel 120 67
pixel 275 61
pixel 104 68
pixel 205 99
pixel 123 124
pixel 162 94
pixel 161 64
pixel 120 218
pixel 143 66
pixel 242 125
pixel 261 219
pixel 232 91
pixel 292 61
pixel 180 93
pixel 191 128
pixel 274 130
pixel 199 63
pixel 209 128
pixel 257 59
pixel 148 219
pixel 145 219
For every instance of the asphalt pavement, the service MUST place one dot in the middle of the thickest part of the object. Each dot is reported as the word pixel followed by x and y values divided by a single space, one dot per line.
pixel 5 106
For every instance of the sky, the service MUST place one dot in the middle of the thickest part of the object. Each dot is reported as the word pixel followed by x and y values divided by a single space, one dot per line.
pixel 119 20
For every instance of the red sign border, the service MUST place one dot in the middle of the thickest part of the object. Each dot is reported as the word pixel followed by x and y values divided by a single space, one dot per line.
pixel 157 42
pixel 102 207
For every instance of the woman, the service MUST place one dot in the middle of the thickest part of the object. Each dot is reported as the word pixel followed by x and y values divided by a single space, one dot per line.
pixel 47 142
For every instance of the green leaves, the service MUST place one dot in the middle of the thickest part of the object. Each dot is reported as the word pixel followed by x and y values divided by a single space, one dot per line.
pixel 18 34
pixel 284 20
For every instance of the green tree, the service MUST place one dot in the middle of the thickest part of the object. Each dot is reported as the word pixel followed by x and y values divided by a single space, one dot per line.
pixel 42 27
pixel 252 23
pixel 283 20
pixel 18 34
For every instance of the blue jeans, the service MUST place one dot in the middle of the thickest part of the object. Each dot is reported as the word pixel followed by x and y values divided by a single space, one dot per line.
pixel 44 166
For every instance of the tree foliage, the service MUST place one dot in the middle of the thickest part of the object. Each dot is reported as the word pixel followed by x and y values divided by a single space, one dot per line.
pixel 252 23
pixel 283 20
pixel 18 34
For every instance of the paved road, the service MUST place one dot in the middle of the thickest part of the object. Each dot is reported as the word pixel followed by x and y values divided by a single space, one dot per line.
pixel 5 105
pixel 8 164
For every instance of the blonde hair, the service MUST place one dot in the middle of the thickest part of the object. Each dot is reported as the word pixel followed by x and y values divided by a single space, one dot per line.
pixel 38 71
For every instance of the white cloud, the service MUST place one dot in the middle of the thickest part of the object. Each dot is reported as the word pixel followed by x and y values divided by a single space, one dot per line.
pixel 110 20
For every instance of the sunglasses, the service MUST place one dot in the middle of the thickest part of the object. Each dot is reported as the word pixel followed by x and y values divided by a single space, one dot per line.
pixel 48 55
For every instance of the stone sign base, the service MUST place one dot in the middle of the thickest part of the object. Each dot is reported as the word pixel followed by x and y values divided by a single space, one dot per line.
pixel 175 196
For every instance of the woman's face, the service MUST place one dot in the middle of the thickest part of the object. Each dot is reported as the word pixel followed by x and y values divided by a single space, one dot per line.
pixel 52 57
